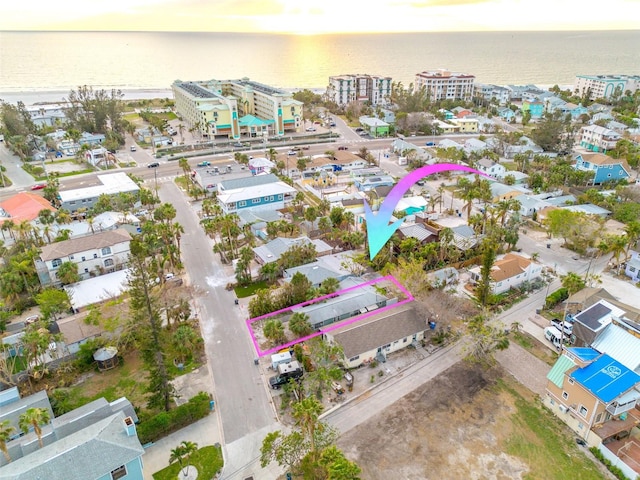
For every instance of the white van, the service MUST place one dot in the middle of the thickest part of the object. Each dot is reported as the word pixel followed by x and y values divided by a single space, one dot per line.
pixel 554 336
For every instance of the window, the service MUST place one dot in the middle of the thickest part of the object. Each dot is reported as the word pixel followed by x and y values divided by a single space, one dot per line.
pixel 83 259
pixel 106 251
pixel 119 472
pixel 583 410
pixel 86 270
pixel 95 255
pixel 571 382
pixel 108 262
pixel 242 203
pixel 353 359
pixel 565 395
pixel 255 200
pixel 56 262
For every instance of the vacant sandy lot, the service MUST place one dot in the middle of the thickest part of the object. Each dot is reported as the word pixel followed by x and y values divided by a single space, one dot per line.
pixel 458 426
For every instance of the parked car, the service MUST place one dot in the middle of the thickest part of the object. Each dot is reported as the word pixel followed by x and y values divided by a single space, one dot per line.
pixel 31 319
pixel 133 148
pixel 311 129
pixel 286 371
pixel 291 152
pixel 38 186
pixel 430 144
pixel 204 164
pixel 343 148
pixel 306 147
pixel 153 165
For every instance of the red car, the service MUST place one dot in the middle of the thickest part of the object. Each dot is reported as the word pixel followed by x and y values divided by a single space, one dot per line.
pixel 39 186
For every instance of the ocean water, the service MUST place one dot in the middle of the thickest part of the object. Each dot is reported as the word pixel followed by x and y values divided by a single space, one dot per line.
pixel 148 62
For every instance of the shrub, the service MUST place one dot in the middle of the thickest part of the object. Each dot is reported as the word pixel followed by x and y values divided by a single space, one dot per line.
pixel 162 424
pixel 556 297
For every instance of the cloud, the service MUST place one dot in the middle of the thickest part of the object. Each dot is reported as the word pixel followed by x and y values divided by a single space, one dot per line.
pixel 445 3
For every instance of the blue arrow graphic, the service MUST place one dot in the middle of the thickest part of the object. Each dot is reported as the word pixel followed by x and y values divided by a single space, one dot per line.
pixel 378 229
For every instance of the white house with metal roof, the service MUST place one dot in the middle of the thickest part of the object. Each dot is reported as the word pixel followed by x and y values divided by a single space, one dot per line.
pixel 272 251
pixel 112 184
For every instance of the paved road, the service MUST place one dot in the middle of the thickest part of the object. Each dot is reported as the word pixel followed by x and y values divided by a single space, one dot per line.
pixel 242 398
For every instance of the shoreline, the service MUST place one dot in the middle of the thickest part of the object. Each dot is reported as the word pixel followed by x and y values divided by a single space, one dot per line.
pixel 57 96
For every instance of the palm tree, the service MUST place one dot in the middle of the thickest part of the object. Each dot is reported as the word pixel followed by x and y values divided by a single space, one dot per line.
pixel 617 247
pixel 34 418
pixel 5 435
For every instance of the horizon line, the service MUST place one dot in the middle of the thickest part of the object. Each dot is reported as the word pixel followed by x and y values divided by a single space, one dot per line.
pixel 589 30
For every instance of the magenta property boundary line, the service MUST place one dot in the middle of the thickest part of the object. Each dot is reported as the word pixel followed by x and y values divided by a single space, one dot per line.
pixel 333 326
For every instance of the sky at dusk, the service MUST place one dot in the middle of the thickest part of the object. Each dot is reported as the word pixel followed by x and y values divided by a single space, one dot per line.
pixel 320 16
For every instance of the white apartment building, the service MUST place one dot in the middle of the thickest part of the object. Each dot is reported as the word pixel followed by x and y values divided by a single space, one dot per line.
pixel 344 89
pixel 606 86
pixel 492 92
pixel 598 139
pixel 445 85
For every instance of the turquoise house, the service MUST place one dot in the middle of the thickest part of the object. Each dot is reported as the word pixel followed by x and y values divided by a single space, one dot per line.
pixel 536 109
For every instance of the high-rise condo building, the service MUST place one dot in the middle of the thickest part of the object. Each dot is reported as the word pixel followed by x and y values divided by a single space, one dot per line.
pixel 344 89
pixel 445 85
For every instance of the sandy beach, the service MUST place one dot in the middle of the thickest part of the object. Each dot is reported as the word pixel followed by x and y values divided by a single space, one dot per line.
pixel 34 98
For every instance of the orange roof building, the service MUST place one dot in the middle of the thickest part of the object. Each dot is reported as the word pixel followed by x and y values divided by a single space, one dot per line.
pixel 510 271
pixel 23 206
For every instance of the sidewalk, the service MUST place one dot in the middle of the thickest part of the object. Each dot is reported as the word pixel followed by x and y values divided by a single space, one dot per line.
pixel 204 432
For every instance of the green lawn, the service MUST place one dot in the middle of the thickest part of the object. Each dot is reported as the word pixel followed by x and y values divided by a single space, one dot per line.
pixel 243 292
pixel 208 461
pixel 546 445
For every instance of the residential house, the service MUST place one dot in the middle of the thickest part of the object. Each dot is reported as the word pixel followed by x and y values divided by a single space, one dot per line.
pixel 260 165
pixel 419 232
pixel 97 441
pixel 511 271
pixel 605 168
pixel 586 297
pixel 620 339
pixel 98 156
pixel 506 114
pixel 598 139
pixel 474 145
pixel 632 268
pixel 90 139
pixel 374 126
pixel 379 335
pixel 465 238
pixel 591 322
pixel 589 209
pixel 97 290
pixel 500 191
pixel 23 206
pixel 587 390
pixel 520 178
pixel 447 143
pixel 270 196
pixel 75 331
pixel 369 183
pixel 466 124
pixel 530 205
pixel 112 184
pixel 317 272
pixel 103 252
pixel 535 108
pixel 461 112
pixel 492 93
pixel 490 167
pixel 444 127
pixel 273 250
pixel 448 115
pixel 344 306
pixel 411 205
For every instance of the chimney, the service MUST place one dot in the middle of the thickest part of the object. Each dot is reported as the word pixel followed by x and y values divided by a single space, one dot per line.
pixel 129 427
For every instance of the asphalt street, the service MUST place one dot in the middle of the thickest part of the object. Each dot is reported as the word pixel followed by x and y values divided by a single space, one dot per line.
pixel 242 398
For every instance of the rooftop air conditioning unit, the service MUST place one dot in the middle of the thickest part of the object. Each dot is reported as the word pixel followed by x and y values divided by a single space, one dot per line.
pixel 562 408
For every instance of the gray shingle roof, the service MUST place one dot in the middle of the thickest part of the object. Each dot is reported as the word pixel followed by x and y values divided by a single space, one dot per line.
pixel 85 455
pixel 379 330
pixel 82 244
